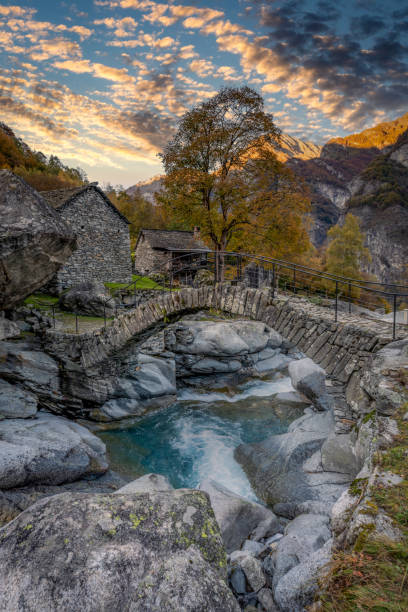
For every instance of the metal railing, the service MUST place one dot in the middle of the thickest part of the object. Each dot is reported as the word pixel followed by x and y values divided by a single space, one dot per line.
pixel 283 277
pixel 279 275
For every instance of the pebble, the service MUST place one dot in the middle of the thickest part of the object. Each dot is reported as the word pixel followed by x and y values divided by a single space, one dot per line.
pixel 237 580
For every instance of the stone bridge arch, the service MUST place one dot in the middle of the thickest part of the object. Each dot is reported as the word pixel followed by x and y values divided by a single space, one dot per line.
pixel 342 348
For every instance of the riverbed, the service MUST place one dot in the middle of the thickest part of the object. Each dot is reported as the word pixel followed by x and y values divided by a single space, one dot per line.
pixel 195 437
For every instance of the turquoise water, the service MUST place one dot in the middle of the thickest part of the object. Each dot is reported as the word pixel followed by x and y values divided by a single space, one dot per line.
pixel 195 438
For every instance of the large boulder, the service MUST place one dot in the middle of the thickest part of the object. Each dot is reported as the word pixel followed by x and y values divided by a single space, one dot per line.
pixel 220 338
pixel 310 379
pixel 298 586
pixel 34 240
pixel 15 403
pixel 37 372
pixel 148 383
pixel 288 467
pixel 88 298
pixel 47 449
pixel 236 516
pixel 148 551
pixel 8 329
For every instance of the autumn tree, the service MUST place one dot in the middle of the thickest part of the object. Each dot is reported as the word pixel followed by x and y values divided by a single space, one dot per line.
pixel 222 175
pixel 346 252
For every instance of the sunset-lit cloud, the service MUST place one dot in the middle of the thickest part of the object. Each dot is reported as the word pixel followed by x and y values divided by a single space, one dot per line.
pixel 105 82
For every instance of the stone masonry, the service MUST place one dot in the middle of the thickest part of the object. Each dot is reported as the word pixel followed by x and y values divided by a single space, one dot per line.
pixel 343 348
pixel 103 243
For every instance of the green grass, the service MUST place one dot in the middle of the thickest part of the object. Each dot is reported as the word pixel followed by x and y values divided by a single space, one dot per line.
pixel 141 282
pixel 374 574
pixel 40 300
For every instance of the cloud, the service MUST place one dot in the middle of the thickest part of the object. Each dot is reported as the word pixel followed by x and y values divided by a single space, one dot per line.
pixel 117 75
pixel 202 67
pixel 16 11
pixel 122 27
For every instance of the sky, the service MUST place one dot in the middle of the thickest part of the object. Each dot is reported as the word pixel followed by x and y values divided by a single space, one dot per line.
pixel 102 83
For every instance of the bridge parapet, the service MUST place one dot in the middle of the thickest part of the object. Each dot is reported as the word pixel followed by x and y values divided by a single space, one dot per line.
pixel 342 348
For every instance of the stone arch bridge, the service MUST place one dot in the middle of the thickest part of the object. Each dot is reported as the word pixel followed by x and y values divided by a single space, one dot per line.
pixel 342 348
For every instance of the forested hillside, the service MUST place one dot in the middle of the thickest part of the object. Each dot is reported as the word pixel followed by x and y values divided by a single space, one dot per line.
pixel 40 172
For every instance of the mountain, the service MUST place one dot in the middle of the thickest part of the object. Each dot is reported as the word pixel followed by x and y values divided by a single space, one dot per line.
pixel 288 148
pixel 146 188
pixel 40 172
pixel 379 198
pixel 380 136
pixel 291 147
pixel 333 176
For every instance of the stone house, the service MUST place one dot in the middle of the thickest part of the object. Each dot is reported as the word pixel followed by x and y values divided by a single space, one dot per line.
pixel 160 250
pixel 103 242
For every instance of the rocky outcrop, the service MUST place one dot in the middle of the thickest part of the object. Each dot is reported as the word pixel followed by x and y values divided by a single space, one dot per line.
pixel 34 241
pixel 147 382
pixel 310 379
pixel 215 347
pixel 288 468
pixel 147 551
pixel 8 329
pixel 47 449
pixel 88 298
pixel 237 517
pixel 15 403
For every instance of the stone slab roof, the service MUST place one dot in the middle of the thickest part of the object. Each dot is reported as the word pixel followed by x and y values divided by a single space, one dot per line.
pixel 172 240
pixel 60 198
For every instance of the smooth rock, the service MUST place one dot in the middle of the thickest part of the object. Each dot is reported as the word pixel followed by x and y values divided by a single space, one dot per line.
pixel 276 363
pixel 252 547
pixel 338 455
pixel 238 580
pixel 88 298
pixel 8 329
pixel 34 240
pixel 146 484
pixel 265 597
pixel 296 589
pixel 153 376
pixel 115 552
pixel 236 516
pixel 275 465
pixel 15 403
pixel 35 370
pixel 47 449
pixel 252 569
pixel 310 379
pixel 266 528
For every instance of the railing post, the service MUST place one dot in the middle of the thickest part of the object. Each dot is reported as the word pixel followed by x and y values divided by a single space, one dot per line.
pixel 394 318
pixel 238 268
pixel 273 280
pixel 337 299
pixel 294 280
pixel 349 297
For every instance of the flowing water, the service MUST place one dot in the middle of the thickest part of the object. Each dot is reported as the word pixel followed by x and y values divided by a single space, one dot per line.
pixel 195 438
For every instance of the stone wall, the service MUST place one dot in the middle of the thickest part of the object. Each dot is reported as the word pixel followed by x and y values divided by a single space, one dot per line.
pixel 103 251
pixel 343 348
pixel 148 260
